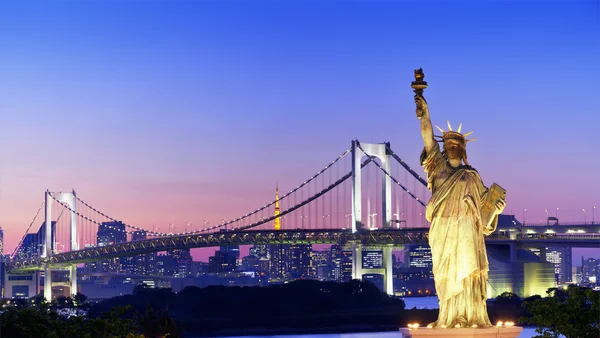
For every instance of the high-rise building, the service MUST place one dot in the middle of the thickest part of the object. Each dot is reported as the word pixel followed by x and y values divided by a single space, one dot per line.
pixel 590 270
pixel 183 262
pixel 562 260
pixel 165 265
pixel 346 262
pixel 143 264
pixel 419 256
pixel 110 233
pixel 260 251
pixel 258 260
pixel 321 268
pixel 225 260
pixel 33 244
pixel 290 261
pixel 300 260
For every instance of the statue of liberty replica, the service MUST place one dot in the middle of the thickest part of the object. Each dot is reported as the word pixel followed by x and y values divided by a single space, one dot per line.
pixel 461 211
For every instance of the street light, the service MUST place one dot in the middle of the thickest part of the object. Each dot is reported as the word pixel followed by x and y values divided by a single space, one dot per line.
pixel 584 218
pixel 524 211
pixel 556 213
pixel 593 212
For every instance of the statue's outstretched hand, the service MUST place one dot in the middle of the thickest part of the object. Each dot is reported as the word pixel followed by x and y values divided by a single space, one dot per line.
pixel 500 205
pixel 422 108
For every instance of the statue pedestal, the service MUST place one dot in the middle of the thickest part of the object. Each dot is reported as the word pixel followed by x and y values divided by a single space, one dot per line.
pixel 492 332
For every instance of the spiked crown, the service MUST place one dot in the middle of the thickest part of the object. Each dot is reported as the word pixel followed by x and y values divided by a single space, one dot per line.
pixel 454 135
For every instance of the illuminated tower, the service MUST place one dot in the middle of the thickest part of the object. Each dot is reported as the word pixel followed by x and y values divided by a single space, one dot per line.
pixel 277 222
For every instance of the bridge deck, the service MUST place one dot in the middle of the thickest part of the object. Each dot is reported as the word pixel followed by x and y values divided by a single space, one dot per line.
pixel 375 238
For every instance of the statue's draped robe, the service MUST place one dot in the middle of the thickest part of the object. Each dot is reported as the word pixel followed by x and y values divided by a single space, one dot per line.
pixel 460 265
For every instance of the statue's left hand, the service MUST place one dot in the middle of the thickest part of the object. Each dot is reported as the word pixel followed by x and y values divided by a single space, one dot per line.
pixel 500 205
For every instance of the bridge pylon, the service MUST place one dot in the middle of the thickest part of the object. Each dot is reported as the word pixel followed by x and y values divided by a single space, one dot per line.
pixel 381 151
pixel 70 199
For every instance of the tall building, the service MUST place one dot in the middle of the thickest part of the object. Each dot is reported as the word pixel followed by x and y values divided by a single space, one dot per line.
pixel 260 251
pixel 165 265
pixel 335 261
pixel 321 268
pixel 563 263
pixel 277 221
pixel 300 261
pixel 33 244
pixel 346 262
pixel 562 260
pixel 110 233
pixel 590 270
pixel 260 261
pixel 143 264
pixel 183 262
pixel 225 260
pixel 419 256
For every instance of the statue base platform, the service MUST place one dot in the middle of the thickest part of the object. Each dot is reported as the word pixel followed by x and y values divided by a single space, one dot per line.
pixel 491 332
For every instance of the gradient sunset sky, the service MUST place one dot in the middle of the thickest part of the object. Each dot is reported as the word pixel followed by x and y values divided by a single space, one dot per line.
pixel 164 112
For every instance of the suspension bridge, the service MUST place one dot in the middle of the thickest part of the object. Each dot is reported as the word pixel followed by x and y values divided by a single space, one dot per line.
pixel 327 208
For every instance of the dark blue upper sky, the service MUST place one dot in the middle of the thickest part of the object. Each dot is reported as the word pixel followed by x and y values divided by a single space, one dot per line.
pixel 146 93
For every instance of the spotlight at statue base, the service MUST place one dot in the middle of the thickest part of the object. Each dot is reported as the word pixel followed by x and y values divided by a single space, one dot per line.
pixel 472 332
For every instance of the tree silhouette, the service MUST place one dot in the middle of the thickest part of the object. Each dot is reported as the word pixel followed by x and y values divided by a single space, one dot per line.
pixel 574 313
pixel 79 299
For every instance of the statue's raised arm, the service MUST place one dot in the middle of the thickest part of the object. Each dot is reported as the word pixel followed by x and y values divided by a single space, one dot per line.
pixel 423 110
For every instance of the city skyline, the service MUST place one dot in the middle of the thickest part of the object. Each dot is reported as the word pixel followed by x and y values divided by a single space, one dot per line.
pixel 195 111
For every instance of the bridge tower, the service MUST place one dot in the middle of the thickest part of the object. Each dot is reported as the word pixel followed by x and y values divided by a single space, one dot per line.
pixel 277 221
pixel 381 151
pixel 48 248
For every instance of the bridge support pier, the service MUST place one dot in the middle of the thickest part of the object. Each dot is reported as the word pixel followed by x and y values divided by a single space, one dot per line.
pixel 73 279
pixel 357 261
pixel 386 269
pixel 47 283
pixel 513 252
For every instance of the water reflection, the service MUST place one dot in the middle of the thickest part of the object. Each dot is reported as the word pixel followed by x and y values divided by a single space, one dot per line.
pixel 527 333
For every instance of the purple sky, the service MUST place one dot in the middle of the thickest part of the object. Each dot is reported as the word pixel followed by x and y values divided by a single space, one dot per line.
pixel 165 112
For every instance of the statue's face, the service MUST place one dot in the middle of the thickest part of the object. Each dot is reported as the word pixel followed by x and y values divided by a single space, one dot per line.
pixel 454 150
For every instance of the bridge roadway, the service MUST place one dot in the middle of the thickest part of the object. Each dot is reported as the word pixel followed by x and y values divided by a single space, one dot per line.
pixel 367 238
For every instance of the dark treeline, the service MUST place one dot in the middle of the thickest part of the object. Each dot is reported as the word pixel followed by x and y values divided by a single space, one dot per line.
pixel 306 305
pixel 297 307
pixel 301 304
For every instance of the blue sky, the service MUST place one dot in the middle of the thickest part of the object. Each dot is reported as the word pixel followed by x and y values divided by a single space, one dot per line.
pixel 137 96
